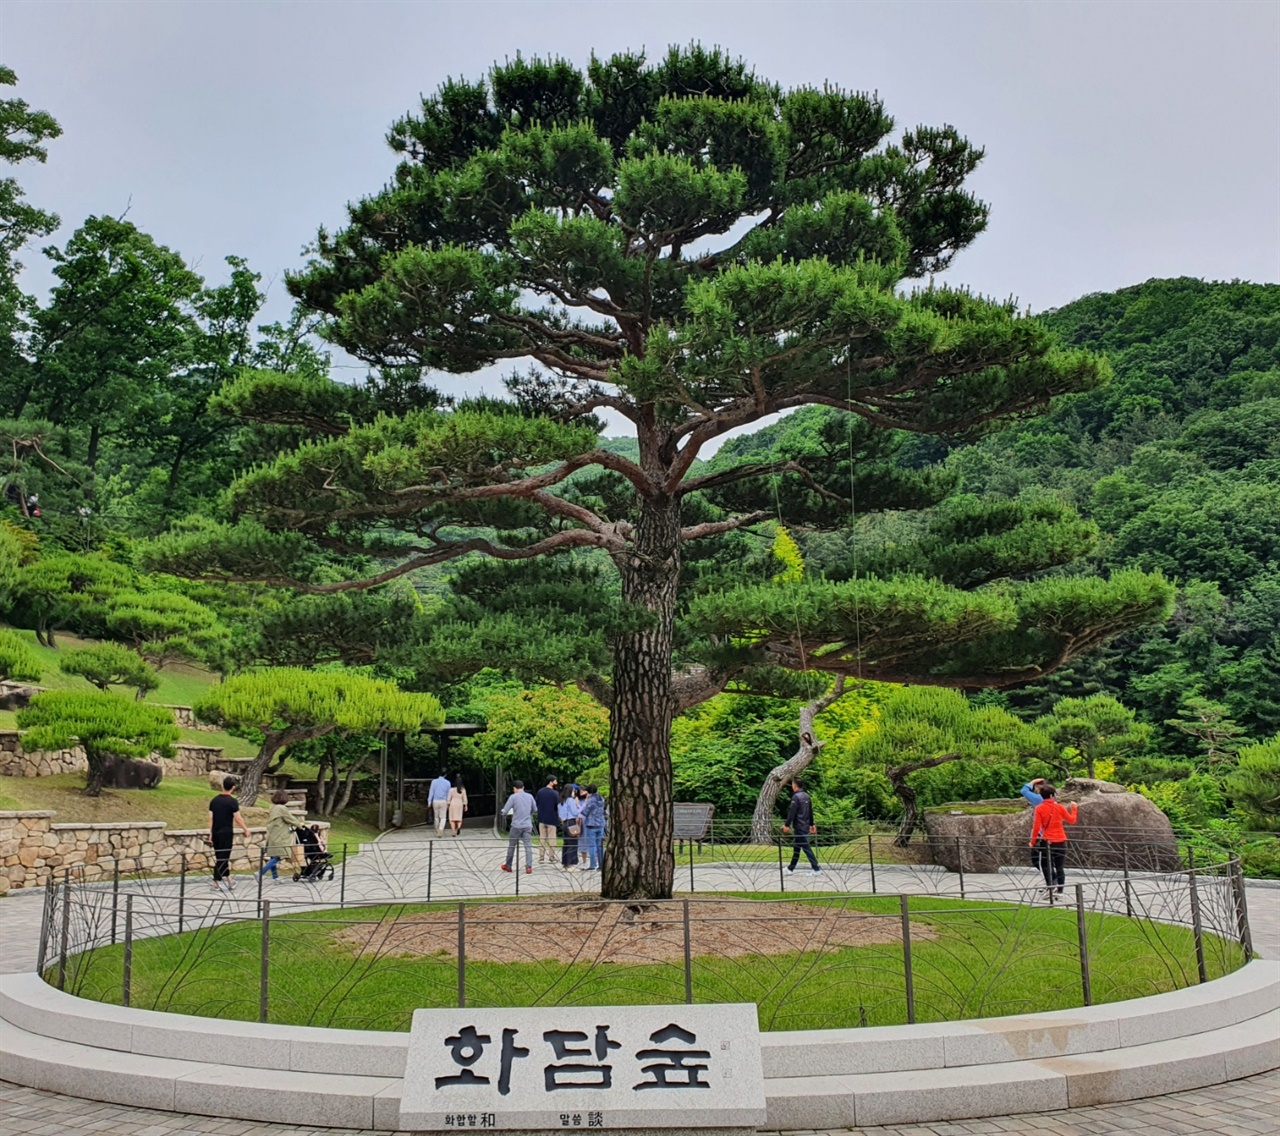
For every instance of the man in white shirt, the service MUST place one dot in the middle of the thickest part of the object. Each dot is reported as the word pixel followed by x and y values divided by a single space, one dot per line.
pixel 438 799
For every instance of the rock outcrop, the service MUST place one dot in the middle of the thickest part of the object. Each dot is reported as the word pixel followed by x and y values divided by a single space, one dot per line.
pixel 1116 829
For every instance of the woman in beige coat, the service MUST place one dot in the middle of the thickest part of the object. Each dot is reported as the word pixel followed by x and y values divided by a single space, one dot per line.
pixel 280 822
pixel 457 805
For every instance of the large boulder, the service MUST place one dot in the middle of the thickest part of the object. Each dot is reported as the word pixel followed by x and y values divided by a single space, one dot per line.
pixel 126 773
pixel 1116 829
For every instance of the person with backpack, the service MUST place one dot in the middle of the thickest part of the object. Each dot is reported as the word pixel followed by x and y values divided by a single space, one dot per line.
pixel 1048 837
pixel 800 822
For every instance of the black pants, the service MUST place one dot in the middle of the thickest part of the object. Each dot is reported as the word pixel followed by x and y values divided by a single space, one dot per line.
pixel 222 842
pixel 801 841
pixel 569 848
pixel 1053 863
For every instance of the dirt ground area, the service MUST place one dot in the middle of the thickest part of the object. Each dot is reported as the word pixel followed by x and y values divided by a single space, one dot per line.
pixel 590 931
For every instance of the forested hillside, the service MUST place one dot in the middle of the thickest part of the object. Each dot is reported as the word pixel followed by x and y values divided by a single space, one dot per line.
pixel 1176 461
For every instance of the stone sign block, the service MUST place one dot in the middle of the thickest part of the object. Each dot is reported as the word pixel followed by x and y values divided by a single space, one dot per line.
pixel 567 1067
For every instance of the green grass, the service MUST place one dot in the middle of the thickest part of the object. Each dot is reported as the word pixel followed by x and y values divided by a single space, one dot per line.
pixel 986 960
pixel 180 684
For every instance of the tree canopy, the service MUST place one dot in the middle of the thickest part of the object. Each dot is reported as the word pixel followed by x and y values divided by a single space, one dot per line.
pixel 693 247
pixel 105 725
pixel 287 704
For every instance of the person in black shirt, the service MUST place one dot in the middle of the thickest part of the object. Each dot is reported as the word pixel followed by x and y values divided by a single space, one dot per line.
pixel 547 800
pixel 800 822
pixel 224 814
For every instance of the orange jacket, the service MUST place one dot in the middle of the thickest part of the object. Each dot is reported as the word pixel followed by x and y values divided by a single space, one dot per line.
pixel 1048 819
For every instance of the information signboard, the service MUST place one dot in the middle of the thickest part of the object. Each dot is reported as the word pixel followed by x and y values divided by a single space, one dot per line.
pixel 567 1067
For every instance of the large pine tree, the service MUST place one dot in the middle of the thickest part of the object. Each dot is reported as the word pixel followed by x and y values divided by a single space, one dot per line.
pixel 693 248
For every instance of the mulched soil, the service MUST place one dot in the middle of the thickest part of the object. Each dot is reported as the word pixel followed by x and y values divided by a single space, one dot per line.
pixel 587 930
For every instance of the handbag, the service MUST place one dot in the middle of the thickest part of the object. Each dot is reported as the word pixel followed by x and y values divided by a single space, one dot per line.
pixel 574 829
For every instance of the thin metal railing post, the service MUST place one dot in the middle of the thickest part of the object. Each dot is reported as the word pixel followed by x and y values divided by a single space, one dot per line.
pixel 66 921
pixel 265 973
pixel 1242 909
pixel 342 883
pixel 1128 886
pixel 50 894
pixel 688 958
pixel 126 992
pixel 430 858
pixel 691 887
pixel 1082 937
pixel 1196 928
pixel 462 956
pixel 960 865
pixel 782 876
pixel 908 976
pixel 262 863
pixel 115 896
pixel 871 859
pixel 182 892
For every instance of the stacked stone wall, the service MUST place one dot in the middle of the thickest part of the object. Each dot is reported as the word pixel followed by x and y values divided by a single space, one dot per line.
pixel 188 761
pixel 33 847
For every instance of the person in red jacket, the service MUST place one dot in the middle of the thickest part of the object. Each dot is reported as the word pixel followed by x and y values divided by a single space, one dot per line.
pixel 1047 831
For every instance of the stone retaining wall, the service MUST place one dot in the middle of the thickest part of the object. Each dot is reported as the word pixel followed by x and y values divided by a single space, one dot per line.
pixel 33 847
pixel 186 719
pixel 17 762
pixel 189 760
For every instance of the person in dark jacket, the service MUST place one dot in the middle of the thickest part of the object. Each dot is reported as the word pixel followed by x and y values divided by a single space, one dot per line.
pixel 548 801
pixel 800 823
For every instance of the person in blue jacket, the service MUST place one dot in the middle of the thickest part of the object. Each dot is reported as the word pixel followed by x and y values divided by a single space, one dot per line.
pixel 1040 850
pixel 593 828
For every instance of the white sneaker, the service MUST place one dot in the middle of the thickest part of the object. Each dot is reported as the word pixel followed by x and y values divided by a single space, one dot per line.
pixel 790 870
pixel 815 871
pixel 215 886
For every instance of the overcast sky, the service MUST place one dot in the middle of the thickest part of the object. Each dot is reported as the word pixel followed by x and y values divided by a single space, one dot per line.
pixel 1124 139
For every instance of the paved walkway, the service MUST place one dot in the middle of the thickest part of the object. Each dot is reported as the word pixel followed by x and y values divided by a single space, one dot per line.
pixel 1242 1108
pixel 400 869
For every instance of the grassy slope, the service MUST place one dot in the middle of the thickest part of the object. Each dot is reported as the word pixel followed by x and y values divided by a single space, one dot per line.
pixel 179 686
pixel 986 960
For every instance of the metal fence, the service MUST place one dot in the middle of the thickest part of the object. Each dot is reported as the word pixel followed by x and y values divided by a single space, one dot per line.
pixel 334 954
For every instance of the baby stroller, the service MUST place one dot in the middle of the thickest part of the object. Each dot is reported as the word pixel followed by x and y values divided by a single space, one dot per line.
pixel 317 860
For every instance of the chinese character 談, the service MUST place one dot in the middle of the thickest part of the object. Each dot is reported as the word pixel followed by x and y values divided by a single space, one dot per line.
pixel 673 1068
pixel 595 1120
pixel 579 1074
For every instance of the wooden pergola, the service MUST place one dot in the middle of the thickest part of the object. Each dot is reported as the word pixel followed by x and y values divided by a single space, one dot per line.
pixel 391 767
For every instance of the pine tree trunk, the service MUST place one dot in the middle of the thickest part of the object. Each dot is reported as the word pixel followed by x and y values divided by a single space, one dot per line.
pixel 638 863
pixel 251 778
pixel 93 779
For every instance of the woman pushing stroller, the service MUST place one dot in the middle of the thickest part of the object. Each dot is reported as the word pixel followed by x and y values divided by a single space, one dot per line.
pixel 1048 837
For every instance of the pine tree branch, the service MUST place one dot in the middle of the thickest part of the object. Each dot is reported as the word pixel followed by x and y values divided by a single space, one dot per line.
pixel 715 528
